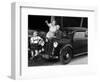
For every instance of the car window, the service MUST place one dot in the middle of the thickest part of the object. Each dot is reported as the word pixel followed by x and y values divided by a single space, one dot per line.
pixel 79 35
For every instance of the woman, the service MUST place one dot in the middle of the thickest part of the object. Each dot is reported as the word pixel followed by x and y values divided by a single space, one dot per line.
pixel 52 29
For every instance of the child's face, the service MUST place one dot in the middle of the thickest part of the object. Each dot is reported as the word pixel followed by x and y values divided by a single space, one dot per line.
pixel 35 34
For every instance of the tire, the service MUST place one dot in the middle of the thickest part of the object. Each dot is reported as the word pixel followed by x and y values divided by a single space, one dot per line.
pixel 66 55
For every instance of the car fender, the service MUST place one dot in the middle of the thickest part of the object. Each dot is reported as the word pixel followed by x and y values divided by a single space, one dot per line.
pixel 67 45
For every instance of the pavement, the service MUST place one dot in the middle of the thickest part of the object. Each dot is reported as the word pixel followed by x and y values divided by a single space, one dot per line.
pixel 78 60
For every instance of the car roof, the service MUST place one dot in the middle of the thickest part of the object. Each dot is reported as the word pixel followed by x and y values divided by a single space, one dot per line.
pixel 74 28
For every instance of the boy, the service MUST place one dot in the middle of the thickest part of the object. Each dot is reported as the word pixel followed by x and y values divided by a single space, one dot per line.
pixel 36 43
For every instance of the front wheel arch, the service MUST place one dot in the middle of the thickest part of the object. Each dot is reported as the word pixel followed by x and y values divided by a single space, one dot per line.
pixel 66 55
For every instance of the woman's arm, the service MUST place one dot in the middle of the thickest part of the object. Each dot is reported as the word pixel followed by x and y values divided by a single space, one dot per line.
pixel 47 23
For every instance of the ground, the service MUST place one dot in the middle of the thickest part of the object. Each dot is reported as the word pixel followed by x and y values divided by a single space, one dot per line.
pixel 83 59
pixel 79 60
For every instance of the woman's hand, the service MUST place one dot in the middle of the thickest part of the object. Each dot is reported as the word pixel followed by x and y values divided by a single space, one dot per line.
pixel 46 22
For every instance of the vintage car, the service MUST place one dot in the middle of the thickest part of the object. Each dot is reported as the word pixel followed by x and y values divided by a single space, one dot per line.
pixel 69 42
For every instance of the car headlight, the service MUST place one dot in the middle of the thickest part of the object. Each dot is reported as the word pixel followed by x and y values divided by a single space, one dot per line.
pixel 55 44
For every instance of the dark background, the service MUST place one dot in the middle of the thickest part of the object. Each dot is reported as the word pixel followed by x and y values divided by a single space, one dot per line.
pixel 37 22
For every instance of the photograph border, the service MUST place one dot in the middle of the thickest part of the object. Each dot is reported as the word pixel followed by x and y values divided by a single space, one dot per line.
pixel 16 36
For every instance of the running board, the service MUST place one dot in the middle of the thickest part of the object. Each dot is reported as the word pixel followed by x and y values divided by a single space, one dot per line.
pixel 80 54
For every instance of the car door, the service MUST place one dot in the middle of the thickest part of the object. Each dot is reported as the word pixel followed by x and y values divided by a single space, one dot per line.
pixel 80 42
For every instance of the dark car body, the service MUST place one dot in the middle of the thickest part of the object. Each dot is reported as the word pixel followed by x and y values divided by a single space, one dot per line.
pixel 70 41
pixel 79 39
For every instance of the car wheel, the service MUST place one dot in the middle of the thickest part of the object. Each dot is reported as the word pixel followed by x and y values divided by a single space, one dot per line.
pixel 66 55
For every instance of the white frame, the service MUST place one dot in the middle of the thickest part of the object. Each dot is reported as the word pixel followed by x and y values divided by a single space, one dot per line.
pixel 48 71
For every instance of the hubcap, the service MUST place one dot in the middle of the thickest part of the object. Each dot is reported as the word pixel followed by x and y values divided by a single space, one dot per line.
pixel 67 55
